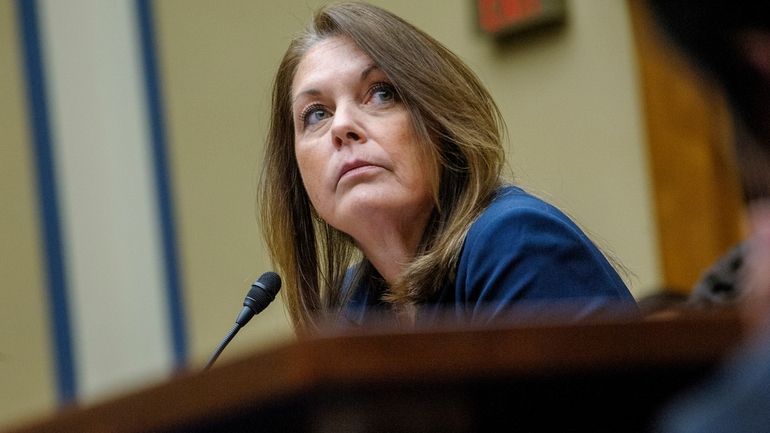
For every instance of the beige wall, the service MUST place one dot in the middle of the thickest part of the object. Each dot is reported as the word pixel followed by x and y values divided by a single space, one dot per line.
pixel 26 376
pixel 569 96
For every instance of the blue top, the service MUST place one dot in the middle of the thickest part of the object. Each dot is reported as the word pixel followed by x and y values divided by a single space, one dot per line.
pixel 520 252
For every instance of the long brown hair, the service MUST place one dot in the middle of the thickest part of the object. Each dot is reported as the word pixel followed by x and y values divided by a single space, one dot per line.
pixel 454 119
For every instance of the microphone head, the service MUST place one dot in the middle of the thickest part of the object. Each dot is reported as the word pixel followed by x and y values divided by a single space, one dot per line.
pixel 269 281
pixel 262 292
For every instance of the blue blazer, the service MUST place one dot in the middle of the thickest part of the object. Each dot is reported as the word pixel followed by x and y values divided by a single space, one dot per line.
pixel 522 257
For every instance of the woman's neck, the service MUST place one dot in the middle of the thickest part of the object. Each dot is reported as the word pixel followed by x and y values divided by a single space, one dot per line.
pixel 391 245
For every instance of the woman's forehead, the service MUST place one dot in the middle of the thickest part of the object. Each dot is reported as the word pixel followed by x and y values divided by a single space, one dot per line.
pixel 330 61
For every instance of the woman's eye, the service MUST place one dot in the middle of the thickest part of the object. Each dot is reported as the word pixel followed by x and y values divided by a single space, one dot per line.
pixel 383 93
pixel 313 114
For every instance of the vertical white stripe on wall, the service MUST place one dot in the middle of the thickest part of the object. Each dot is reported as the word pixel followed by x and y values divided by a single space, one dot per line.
pixel 109 211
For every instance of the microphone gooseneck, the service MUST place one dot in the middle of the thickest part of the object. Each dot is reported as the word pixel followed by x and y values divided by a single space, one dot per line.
pixel 260 295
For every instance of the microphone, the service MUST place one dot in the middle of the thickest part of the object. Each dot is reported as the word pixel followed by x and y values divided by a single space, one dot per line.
pixel 260 295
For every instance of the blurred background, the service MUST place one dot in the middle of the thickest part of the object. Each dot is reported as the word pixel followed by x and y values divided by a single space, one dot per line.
pixel 131 137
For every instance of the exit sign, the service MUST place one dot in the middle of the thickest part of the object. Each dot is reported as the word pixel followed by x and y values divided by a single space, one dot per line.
pixel 501 17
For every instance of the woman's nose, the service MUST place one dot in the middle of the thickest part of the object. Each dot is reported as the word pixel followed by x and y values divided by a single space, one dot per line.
pixel 347 127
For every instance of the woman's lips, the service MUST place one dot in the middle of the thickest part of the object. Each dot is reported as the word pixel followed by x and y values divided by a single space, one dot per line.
pixel 354 167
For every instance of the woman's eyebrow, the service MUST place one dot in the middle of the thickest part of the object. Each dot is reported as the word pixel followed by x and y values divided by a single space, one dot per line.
pixel 315 92
pixel 365 73
pixel 311 92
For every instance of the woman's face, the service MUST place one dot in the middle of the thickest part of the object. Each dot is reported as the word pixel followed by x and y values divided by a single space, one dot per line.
pixel 354 142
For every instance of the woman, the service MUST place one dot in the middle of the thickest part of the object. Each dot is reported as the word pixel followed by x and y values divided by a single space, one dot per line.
pixel 382 185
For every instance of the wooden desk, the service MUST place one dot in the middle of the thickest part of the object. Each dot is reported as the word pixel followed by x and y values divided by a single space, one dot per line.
pixel 602 376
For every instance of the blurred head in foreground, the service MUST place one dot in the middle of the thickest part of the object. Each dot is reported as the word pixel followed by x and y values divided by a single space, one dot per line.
pixel 730 43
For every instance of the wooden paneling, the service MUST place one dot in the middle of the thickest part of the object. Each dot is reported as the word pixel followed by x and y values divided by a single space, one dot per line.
pixel 696 191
